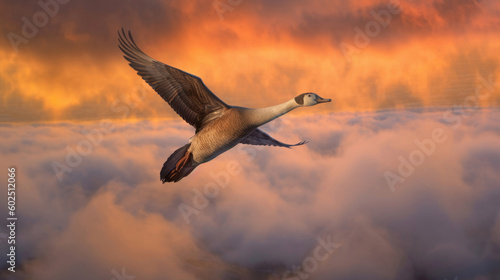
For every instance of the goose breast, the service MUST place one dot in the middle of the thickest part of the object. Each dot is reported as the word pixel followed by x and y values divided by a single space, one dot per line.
pixel 220 135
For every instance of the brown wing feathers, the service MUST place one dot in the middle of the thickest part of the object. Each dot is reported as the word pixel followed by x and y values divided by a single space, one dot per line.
pixel 185 93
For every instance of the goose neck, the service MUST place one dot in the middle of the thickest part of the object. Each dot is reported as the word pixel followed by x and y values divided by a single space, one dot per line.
pixel 262 116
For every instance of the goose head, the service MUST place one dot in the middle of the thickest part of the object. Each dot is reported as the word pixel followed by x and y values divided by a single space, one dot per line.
pixel 310 99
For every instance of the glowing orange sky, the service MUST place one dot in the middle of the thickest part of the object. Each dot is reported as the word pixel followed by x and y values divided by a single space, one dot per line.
pixel 255 54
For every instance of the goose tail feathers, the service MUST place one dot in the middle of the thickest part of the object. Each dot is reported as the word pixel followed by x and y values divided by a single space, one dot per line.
pixel 178 165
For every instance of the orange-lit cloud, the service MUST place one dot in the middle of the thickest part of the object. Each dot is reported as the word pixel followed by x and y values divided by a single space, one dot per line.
pixel 430 53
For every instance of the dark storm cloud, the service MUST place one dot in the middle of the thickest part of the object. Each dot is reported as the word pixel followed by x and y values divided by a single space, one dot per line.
pixel 84 25
pixel 407 19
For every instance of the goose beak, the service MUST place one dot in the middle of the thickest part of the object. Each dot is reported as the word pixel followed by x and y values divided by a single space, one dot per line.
pixel 323 100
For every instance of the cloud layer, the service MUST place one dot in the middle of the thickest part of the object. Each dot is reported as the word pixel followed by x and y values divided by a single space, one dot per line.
pixel 418 53
pixel 261 213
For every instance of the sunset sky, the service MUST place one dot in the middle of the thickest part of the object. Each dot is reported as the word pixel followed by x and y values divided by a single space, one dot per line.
pixel 400 173
pixel 250 53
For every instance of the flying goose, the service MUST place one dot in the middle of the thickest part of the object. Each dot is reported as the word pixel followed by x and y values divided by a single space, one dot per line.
pixel 219 127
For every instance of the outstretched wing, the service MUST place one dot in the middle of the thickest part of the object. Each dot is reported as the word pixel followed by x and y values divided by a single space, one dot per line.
pixel 185 93
pixel 259 137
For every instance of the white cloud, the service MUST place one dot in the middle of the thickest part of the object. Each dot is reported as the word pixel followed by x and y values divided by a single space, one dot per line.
pixel 112 211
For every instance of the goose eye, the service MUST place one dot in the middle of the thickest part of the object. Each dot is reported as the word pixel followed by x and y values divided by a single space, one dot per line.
pixel 308 95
